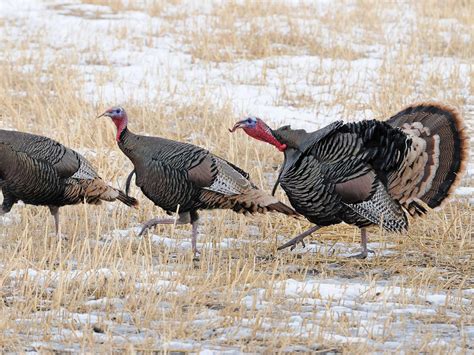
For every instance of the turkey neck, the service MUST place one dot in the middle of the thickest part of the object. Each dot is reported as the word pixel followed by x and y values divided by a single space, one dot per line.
pixel 291 137
pixel 129 144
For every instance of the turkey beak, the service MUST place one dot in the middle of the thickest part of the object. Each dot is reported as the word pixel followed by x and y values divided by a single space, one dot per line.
pixel 106 113
pixel 240 124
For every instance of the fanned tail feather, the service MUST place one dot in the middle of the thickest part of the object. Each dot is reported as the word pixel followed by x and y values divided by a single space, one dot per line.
pixel 438 157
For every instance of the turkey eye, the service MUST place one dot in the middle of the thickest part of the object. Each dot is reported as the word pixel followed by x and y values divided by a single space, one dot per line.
pixel 117 111
pixel 249 120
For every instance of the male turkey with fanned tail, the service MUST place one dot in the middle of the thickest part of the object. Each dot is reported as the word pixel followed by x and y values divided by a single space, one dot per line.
pixel 40 171
pixel 369 172
pixel 185 178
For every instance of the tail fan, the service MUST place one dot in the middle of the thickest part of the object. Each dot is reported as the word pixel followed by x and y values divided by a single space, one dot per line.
pixel 439 153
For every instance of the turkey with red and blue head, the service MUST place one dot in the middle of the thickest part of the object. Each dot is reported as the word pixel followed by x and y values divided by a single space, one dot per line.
pixel 184 178
pixel 369 172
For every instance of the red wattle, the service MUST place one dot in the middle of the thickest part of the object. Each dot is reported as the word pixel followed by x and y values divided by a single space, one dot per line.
pixel 120 123
pixel 282 147
pixel 263 133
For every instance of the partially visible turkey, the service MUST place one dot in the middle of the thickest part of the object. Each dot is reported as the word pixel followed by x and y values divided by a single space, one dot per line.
pixel 369 172
pixel 185 178
pixel 40 171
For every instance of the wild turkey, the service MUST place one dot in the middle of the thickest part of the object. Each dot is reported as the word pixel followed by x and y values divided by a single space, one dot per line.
pixel 40 171
pixel 369 172
pixel 184 178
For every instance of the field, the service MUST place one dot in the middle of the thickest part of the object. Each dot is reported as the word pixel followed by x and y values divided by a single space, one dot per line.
pixel 187 72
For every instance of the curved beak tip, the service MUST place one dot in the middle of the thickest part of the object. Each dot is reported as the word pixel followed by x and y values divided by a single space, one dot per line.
pixel 236 127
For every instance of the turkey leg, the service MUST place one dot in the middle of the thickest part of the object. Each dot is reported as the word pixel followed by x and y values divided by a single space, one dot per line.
pixel 55 212
pixel 194 237
pixel 299 238
pixel 363 243
pixel 184 218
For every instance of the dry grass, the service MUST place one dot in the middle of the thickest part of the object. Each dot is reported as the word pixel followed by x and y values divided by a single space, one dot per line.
pixel 251 30
pixel 150 7
pixel 98 290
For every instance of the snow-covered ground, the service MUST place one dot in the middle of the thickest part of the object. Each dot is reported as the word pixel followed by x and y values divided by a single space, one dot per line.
pixel 129 57
pixel 334 311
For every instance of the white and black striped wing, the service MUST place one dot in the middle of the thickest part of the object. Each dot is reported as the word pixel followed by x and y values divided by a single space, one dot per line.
pixel 226 179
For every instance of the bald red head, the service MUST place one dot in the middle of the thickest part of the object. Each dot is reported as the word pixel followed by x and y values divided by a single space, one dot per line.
pixel 119 118
pixel 258 129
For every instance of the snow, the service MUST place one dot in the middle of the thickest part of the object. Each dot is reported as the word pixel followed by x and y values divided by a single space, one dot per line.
pixel 337 300
pixel 342 292
pixel 464 190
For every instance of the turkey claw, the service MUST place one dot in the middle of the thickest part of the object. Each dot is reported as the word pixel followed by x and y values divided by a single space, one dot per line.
pixel 363 254
pixel 299 239
pixel 143 230
pixel 303 244
pixel 293 244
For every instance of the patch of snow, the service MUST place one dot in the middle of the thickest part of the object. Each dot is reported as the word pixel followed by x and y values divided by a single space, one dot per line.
pixel 465 191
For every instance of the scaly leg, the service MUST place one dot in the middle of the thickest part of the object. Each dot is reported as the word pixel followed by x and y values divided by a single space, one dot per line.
pixel 154 221
pixel 194 222
pixel 194 238
pixel 55 212
pixel 363 243
pixel 299 239
pixel 183 218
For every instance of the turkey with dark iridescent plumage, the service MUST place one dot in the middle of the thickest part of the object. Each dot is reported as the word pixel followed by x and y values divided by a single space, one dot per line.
pixel 369 172
pixel 40 171
pixel 185 178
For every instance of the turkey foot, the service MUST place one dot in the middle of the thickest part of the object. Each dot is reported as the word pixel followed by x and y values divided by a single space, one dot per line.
pixel 184 218
pixel 363 243
pixel 362 255
pixel 299 239
pixel 55 213
pixel 155 221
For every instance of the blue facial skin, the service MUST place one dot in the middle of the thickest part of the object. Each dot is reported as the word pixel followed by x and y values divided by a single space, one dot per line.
pixel 251 122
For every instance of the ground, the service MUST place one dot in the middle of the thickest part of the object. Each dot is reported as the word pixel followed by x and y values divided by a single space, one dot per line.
pixel 188 71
